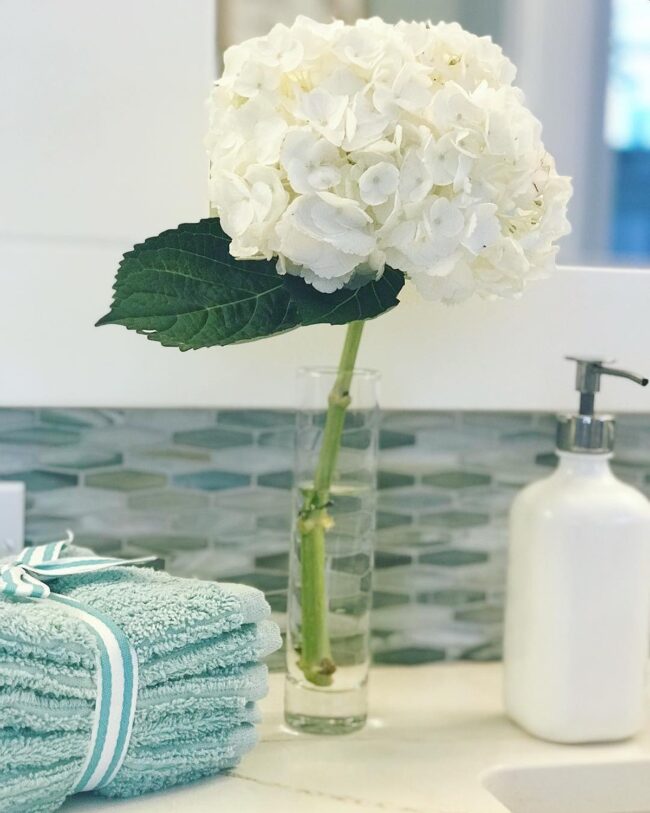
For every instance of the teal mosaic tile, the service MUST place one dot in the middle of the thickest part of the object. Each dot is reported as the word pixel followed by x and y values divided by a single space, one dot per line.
pixel 454 558
pixel 212 438
pixel 412 500
pixel 492 651
pixel 79 418
pixel 283 439
pixel 125 480
pixel 356 439
pixel 168 501
pixel 165 544
pixel 256 418
pixel 277 600
pixel 480 615
pixel 39 436
pixel 37 481
pixel 385 559
pixel 212 480
pixel 412 537
pixel 10 418
pixel 277 479
pixel 457 519
pixel 381 599
pixel 276 561
pixel 104 545
pixel 210 492
pixel 409 656
pixel 267 582
pixel 393 479
pixel 80 459
pixel 452 597
pixel 385 519
pixel 276 522
pixel 390 439
pixel 455 480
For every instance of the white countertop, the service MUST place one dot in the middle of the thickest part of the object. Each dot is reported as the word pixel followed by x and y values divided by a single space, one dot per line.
pixel 434 730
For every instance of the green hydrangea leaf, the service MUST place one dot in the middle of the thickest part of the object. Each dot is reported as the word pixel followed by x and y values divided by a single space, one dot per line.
pixel 183 289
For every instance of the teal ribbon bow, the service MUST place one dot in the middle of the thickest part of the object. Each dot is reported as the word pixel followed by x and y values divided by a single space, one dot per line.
pixel 25 578
pixel 27 575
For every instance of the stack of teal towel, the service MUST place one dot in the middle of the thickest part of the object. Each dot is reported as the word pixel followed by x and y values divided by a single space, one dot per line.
pixel 199 646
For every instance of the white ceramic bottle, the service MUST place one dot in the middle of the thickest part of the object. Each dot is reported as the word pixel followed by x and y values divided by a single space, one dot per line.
pixel 578 607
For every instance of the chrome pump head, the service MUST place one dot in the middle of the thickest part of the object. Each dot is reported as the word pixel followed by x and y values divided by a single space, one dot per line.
pixel 586 432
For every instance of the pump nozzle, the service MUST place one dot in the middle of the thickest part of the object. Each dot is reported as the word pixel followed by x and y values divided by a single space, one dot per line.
pixel 588 375
pixel 585 431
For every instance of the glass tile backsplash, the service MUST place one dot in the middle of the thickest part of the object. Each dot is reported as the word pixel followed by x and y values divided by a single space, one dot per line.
pixel 209 492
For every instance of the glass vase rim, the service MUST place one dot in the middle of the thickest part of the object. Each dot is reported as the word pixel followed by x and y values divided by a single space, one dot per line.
pixel 367 373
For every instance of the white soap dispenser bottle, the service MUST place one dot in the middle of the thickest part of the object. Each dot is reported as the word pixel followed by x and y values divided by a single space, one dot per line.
pixel 578 605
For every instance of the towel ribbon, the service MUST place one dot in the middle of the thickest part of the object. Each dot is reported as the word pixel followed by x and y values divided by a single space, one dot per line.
pixel 117 674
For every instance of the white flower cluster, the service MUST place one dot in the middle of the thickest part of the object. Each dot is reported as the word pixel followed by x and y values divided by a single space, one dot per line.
pixel 343 149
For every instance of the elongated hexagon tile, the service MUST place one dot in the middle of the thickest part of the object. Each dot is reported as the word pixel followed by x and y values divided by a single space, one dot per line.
pixel 256 418
pixel 99 543
pixel 274 561
pixel 39 436
pixel 394 479
pixel 281 438
pixel 170 459
pixel 480 615
pixel 411 500
pixel 387 519
pixel 261 579
pixel 281 522
pixel 276 479
pixel 452 597
pixel 456 480
pixel 381 599
pixel 213 438
pixel 456 519
pixel 165 544
pixel 252 459
pixel 38 480
pixel 81 458
pixel 216 523
pixel 384 559
pixel 258 501
pixel 81 418
pixel 454 558
pixel 212 480
pixel 77 502
pixel 16 418
pixel 491 651
pixel 170 501
pixel 125 480
pixel 409 656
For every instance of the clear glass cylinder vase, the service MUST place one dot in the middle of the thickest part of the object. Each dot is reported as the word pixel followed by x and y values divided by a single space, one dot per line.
pixel 331 561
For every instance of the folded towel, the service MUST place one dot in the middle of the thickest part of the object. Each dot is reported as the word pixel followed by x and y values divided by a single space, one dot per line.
pixel 198 646
pixel 229 694
pixel 162 614
pixel 247 644
pixel 146 768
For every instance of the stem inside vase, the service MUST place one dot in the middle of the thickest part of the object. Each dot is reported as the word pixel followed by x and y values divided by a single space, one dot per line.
pixel 314 521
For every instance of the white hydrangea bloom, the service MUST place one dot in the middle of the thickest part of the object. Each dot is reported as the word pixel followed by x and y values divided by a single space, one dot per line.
pixel 343 149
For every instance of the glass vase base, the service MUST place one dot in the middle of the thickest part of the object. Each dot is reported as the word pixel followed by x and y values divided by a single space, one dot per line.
pixel 324 725
pixel 317 710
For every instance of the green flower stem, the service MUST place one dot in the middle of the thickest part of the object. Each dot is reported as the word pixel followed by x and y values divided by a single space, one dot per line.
pixel 316 654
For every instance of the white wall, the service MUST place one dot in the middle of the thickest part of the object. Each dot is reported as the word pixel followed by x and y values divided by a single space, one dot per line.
pixel 500 355
pixel 105 110
pixel 102 117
